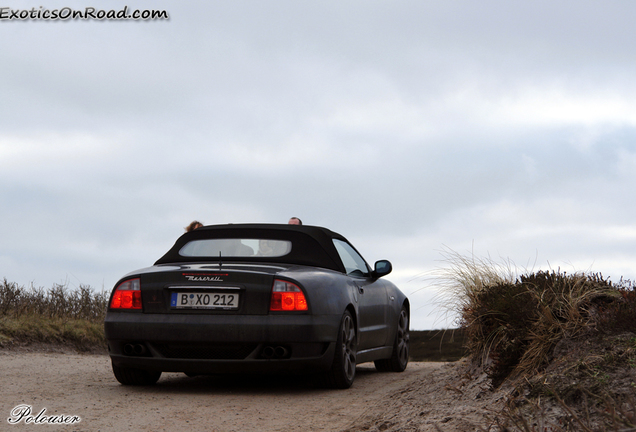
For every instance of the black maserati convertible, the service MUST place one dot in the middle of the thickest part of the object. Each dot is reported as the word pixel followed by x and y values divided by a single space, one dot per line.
pixel 257 298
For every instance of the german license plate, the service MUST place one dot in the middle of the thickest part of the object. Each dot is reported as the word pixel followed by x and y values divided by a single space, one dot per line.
pixel 199 300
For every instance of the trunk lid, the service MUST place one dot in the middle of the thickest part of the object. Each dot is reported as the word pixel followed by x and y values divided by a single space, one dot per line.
pixel 236 288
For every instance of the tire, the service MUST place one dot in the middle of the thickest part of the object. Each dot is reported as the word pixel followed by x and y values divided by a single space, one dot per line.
pixel 131 376
pixel 343 369
pixel 400 356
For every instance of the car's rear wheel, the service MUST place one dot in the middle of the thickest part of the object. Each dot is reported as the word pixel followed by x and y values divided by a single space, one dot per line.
pixel 131 376
pixel 400 356
pixel 343 369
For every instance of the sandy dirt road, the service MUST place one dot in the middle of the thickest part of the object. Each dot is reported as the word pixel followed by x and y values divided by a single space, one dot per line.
pixel 83 386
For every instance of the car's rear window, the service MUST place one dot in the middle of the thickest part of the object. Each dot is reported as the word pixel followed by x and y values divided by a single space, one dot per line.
pixel 236 247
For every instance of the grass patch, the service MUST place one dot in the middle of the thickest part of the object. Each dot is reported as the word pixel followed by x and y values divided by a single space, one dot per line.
pixel 81 334
pixel 55 316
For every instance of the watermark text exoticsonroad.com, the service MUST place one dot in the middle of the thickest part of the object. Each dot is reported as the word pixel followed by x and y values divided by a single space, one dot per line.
pixel 88 13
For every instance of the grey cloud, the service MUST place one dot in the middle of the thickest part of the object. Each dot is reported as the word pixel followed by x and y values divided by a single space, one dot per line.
pixel 403 125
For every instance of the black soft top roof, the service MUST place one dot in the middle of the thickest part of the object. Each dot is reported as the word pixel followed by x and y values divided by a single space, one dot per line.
pixel 311 245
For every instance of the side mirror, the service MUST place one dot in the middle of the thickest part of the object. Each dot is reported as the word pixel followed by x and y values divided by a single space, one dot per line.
pixel 382 268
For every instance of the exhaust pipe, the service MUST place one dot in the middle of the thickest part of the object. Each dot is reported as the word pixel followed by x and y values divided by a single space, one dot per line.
pixel 135 349
pixel 280 352
pixel 268 352
pixel 140 349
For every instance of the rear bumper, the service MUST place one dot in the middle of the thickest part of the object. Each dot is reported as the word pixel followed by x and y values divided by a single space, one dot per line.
pixel 222 343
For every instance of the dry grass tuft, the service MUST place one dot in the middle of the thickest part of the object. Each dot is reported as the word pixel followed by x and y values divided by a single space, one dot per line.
pixel 565 343
pixel 512 322
pixel 462 278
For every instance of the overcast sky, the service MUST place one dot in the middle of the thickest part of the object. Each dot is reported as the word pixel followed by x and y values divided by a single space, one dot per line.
pixel 501 128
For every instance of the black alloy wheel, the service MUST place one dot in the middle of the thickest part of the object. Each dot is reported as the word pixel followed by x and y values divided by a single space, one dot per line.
pixel 343 369
pixel 400 356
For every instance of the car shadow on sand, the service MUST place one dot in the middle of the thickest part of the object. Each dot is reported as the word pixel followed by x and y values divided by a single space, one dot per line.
pixel 179 383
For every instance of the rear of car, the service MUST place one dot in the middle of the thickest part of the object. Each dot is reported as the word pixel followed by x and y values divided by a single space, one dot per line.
pixel 256 298
pixel 203 319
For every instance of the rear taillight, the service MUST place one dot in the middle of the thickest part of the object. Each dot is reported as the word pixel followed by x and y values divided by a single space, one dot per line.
pixel 127 295
pixel 287 296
